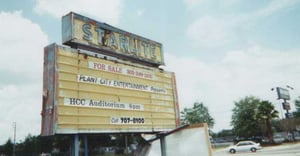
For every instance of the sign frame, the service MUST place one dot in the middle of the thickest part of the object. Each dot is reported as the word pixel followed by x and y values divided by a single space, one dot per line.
pixel 53 96
pixel 283 93
pixel 127 46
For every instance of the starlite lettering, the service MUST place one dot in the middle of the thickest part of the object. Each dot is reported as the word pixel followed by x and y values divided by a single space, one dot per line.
pixel 126 44
pixel 108 40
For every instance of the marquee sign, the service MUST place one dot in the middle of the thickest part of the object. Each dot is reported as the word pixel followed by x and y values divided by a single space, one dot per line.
pixel 88 94
pixel 86 33
pixel 283 93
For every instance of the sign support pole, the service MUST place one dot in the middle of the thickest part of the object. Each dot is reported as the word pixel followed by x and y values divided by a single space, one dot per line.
pixel 76 145
pixel 163 145
pixel 86 148
pixel 162 137
pixel 126 144
pixel 287 110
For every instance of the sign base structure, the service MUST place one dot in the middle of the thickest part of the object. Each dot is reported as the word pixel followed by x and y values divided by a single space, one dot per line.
pixel 87 94
pixel 191 140
pixel 186 140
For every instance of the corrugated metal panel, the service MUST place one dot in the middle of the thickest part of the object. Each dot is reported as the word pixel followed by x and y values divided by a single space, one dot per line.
pixel 97 95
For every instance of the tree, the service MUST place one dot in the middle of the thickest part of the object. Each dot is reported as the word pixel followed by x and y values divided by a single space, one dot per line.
pixel 198 114
pixel 224 133
pixel 297 105
pixel 7 148
pixel 244 117
pixel 266 113
pixel 276 125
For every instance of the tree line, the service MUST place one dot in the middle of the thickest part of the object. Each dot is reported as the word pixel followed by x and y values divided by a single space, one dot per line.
pixel 251 117
pixel 62 145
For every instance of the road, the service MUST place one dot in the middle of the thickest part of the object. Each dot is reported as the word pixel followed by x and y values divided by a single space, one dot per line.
pixel 281 150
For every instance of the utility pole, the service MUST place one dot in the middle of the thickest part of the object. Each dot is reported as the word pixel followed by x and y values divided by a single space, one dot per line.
pixel 14 146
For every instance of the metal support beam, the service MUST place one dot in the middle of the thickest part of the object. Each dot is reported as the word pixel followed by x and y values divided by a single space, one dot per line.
pixel 126 144
pixel 163 146
pixel 86 148
pixel 76 145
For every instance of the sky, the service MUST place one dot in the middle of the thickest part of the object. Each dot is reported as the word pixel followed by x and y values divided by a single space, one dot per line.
pixel 221 51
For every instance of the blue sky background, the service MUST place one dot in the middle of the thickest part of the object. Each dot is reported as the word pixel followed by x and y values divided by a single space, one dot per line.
pixel 221 51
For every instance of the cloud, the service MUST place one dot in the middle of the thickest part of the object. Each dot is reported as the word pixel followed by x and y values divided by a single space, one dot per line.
pixel 194 3
pixel 275 6
pixel 105 11
pixel 219 30
pixel 250 71
pixel 210 31
pixel 140 12
pixel 21 65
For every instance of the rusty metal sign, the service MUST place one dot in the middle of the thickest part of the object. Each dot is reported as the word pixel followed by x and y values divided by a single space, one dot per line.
pixel 86 33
